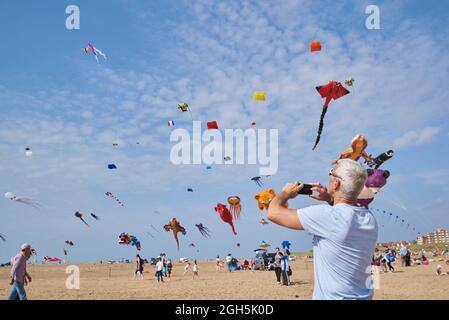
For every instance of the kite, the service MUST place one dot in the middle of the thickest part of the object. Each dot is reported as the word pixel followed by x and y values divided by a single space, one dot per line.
pixel 264 245
pixel 349 82
pixel 95 51
pixel 234 206
pixel 286 244
pixel 65 252
pixel 128 239
pixel 115 144
pixel 150 234
pixel 315 46
pixel 112 166
pixel 2 236
pixel 80 216
pixel 212 125
pixel 176 227
pixel 238 244
pixel 263 221
pixel 357 150
pixel 259 96
pixel 184 107
pixel 109 194
pixel 377 179
pixel 380 159
pixel 225 215
pixel 171 123
pixel 331 90
pixel 257 181
pixel 253 123
pixel 191 244
pixel 189 190
pixel 154 228
pixel 95 216
pixel 69 242
pixel 203 230
pixel 208 167
pixel 227 158
pixel 28 152
pixel 264 198
pixel 52 259
pixel 24 200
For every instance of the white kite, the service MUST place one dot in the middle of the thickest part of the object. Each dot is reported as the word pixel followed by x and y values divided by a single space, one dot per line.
pixel 24 200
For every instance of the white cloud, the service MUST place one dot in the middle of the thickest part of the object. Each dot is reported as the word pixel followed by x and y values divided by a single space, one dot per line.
pixel 417 137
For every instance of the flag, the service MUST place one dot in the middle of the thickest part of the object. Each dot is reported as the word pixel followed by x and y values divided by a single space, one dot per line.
pixel 171 123
pixel 212 125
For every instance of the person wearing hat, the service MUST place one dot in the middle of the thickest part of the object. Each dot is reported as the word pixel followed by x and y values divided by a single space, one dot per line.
pixel 19 275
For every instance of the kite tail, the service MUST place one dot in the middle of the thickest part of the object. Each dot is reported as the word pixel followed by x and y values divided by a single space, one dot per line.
pixel 175 234
pixel 84 222
pixel 320 127
pixel 233 229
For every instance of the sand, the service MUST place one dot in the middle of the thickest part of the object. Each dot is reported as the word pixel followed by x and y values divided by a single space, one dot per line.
pixel 417 282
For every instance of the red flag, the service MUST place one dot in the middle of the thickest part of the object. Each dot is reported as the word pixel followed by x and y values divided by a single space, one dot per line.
pixel 212 125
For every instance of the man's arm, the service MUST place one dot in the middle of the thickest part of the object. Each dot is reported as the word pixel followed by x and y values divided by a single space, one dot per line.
pixel 279 214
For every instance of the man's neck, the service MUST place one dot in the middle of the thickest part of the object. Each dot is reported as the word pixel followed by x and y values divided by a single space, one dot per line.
pixel 343 200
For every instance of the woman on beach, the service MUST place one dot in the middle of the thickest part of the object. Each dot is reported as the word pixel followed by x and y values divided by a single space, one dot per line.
pixel 218 264
pixel 285 268
pixel 169 268
pixel 139 267
pixel 195 270
pixel 159 267
pixel 277 265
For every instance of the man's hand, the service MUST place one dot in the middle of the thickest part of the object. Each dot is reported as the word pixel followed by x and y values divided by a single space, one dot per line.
pixel 12 281
pixel 322 195
pixel 289 191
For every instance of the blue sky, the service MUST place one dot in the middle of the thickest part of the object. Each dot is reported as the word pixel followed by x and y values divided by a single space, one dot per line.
pixel 213 55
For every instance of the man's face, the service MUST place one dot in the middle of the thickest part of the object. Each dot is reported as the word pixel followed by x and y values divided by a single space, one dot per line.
pixel 27 252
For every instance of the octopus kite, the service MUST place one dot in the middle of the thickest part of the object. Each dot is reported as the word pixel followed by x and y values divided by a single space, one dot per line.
pixel 332 90
pixel 69 242
pixel 176 227
pixel 95 51
pixel 203 230
pixel 234 206
pixel 109 194
pixel 257 181
pixel 357 150
pixel 225 215
pixel 24 200
pixel 128 239
pixel 264 198
pixel 80 216
pixel 2 236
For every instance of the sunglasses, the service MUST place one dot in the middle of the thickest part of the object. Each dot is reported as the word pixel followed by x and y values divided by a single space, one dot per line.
pixel 331 173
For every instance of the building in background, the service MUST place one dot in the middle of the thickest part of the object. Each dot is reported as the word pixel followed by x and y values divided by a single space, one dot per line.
pixel 438 236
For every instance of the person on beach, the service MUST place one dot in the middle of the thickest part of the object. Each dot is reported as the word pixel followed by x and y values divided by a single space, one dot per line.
pixel 19 274
pixel 194 269
pixel 228 260
pixel 139 267
pixel 169 268
pixel 390 258
pixel 285 268
pixel 341 229
pixel 277 265
pixel 218 264
pixel 159 268
pixel 186 268
pixel 403 253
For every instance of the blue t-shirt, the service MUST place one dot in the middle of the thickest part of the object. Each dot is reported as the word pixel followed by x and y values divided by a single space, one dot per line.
pixel 343 245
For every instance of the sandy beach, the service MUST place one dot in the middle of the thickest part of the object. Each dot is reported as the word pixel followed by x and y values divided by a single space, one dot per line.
pixel 115 282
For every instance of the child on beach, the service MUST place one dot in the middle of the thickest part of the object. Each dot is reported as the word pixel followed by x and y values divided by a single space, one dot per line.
pixel 186 268
pixel 218 264
pixel 195 270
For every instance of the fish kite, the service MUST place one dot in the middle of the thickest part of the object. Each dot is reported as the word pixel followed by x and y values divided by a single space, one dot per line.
pixel 69 242
pixel 109 194
pixel 95 51
pixel 225 215
pixel 80 216
pixel 95 216
pixel 286 244
pixel 357 150
pixel 257 181
pixel 128 239
pixel 332 90
pixel 2 236
pixel 234 206
pixel 264 245
pixel 380 159
pixel 30 202
pixel 28 152
pixel 203 230
pixel 176 227
pixel 52 259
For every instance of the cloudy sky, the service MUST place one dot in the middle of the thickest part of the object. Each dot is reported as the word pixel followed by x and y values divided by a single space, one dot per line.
pixel 69 109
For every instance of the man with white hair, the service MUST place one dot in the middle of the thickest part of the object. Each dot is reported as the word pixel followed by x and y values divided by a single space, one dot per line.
pixel 19 275
pixel 345 235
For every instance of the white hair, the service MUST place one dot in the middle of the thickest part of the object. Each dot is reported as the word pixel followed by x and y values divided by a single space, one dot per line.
pixel 353 177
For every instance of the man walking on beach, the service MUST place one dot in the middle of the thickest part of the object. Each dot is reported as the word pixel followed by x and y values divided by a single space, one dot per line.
pixel 19 275
pixel 344 234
